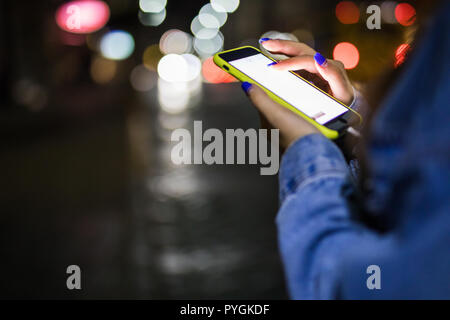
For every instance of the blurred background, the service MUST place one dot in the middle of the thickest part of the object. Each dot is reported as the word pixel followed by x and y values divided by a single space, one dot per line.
pixel 90 93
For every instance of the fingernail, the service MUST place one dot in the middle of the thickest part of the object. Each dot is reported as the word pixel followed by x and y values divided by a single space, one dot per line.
pixel 320 59
pixel 263 39
pixel 246 86
pixel 272 63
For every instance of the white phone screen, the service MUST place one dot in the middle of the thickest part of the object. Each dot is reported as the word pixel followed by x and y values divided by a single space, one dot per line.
pixel 290 88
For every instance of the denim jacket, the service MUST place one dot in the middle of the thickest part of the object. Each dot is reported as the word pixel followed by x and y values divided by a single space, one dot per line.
pixel 325 248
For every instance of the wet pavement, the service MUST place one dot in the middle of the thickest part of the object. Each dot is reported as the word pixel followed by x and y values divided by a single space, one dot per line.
pixel 103 194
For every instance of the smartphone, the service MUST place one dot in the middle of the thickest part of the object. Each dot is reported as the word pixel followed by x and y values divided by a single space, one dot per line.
pixel 328 114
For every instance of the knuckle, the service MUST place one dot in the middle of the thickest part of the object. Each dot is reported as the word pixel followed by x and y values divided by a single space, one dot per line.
pixel 339 65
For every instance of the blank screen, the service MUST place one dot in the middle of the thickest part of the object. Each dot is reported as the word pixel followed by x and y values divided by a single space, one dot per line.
pixel 295 91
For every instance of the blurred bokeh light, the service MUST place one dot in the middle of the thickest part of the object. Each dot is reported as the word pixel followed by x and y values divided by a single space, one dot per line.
pixel 30 94
pixel 173 97
pixel 103 70
pixel 152 19
pixel 117 45
pixel 347 53
pixel 153 6
pixel 225 5
pixel 347 12
pixel 82 16
pixel 213 74
pixel 210 18
pixel 405 14
pixel 388 11
pixel 143 79
pixel 194 66
pixel 175 41
pixel 151 57
pixel 401 53
pixel 207 47
pixel 173 68
pixel 200 31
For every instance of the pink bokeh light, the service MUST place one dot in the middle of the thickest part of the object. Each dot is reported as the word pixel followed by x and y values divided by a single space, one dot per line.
pixel 83 16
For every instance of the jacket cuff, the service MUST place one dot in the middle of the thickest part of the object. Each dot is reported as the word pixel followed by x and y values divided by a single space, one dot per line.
pixel 307 158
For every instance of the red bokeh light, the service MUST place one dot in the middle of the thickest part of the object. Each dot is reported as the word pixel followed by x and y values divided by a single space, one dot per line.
pixel 82 16
pixel 347 12
pixel 401 54
pixel 212 73
pixel 347 53
pixel 405 14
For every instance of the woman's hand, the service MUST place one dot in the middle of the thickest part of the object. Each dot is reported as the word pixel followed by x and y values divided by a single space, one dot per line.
pixel 304 57
pixel 273 115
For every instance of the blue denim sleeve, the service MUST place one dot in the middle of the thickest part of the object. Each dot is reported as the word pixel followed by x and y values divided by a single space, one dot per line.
pixel 314 223
pixel 326 253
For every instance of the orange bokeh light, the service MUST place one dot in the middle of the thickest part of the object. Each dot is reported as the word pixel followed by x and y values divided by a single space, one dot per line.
pixel 347 12
pixel 214 74
pixel 405 14
pixel 347 53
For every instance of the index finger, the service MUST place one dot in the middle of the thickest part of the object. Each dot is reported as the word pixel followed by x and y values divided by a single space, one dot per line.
pixel 305 62
pixel 288 47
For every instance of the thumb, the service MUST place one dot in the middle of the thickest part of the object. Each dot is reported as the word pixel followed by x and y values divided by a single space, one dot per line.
pixel 273 111
pixel 291 126
pixel 333 72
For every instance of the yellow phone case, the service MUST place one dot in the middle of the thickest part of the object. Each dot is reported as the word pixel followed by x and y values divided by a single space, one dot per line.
pixel 329 133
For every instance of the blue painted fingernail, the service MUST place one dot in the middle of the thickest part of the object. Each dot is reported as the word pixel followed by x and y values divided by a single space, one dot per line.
pixel 272 63
pixel 246 86
pixel 320 59
pixel 263 39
